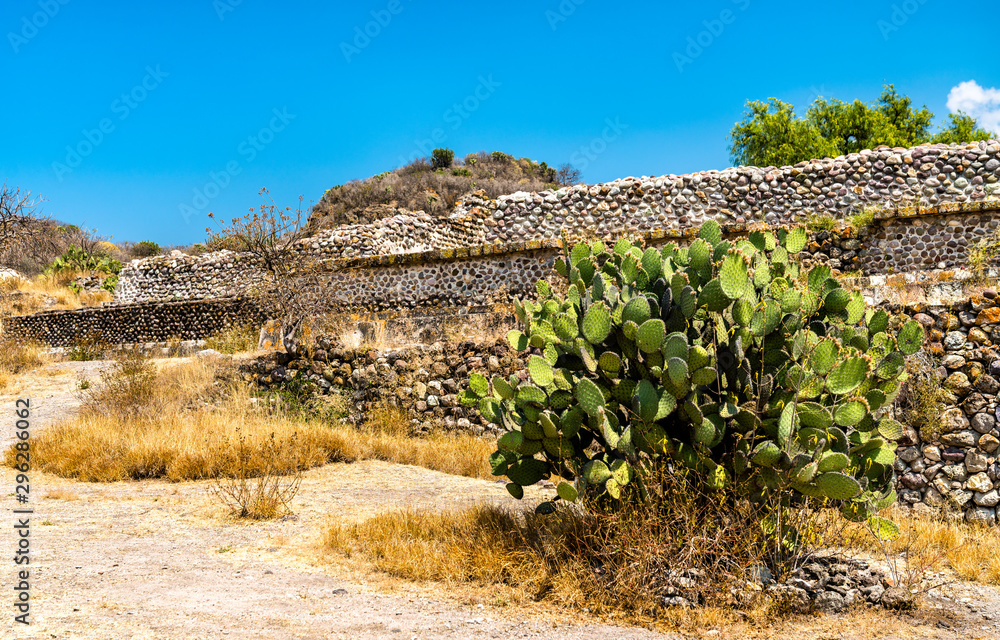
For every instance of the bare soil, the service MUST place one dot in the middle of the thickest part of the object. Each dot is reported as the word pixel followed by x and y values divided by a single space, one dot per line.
pixel 156 559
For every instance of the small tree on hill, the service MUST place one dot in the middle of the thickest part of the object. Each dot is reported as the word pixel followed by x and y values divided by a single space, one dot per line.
pixel 442 158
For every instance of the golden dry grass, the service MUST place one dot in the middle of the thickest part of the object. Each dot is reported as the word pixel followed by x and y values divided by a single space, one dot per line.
pixel 18 357
pixel 24 297
pixel 235 339
pixel 935 544
pixel 187 425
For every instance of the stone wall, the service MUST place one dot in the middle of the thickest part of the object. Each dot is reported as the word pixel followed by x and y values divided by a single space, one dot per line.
pixel 130 324
pixel 929 203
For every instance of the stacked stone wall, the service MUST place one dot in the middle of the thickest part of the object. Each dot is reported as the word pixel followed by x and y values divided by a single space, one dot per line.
pixel 132 324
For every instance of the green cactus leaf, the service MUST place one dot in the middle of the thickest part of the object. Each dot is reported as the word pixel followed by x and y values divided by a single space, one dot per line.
pixel 613 488
pixel 891 366
pixel 543 288
pixel 565 327
pixel 910 338
pixel 855 308
pixel 527 471
pixel 516 490
pixel 786 425
pixel 580 252
pixel 765 320
pixel 559 447
pixel 572 420
pixel 637 310
pixel 765 454
pixel 630 329
pixel 837 486
pixel 704 376
pixel 596 472
pixel 878 323
pixel 688 302
pixel 890 429
pixel 791 301
pixel 610 363
pixel 850 413
pixel 590 397
pixel 665 405
pixel 517 340
pixel 479 385
pixel 814 415
pixel 734 276
pixel 796 239
pixel 567 492
pixel 540 371
pixel 817 278
pixel 645 402
pixel 847 376
pixel 650 335
pixel 833 461
pixel 528 394
pixel 511 441
pixel 549 428
pixel 697 357
pixel 677 370
pixel 530 447
pixel 836 300
pixel 806 473
pixel 743 312
pixel 651 262
pixel 596 323
pixel 883 529
pixel 711 232
pixel 676 346
pixel 621 472
pixel 468 398
pixel 629 270
pixel 703 432
pixel 712 297
pixel 502 389
pixel 499 462
pixel 622 246
pixel 532 430
pixel 824 356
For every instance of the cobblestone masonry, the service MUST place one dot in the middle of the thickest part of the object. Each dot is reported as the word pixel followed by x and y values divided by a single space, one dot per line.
pixel 933 201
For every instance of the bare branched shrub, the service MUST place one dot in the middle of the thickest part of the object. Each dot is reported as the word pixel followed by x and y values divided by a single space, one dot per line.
pixel 257 485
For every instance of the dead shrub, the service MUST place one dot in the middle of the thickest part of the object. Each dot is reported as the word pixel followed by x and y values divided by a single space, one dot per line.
pixel 257 484
pixel 235 339
pixel 126 389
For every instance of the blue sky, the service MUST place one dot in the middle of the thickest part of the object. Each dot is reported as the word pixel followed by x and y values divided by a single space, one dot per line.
pixel 138 118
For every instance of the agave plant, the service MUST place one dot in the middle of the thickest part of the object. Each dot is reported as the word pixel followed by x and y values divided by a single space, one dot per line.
pixel 725 357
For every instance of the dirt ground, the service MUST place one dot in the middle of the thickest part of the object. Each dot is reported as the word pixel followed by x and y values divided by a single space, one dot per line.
pixel 162 560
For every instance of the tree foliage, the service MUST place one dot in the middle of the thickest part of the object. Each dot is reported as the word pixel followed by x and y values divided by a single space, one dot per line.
pixel 771 134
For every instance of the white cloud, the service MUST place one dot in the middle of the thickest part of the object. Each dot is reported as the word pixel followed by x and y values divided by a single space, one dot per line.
pixel 977 101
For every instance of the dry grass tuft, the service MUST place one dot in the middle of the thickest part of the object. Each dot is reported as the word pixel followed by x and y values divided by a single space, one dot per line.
pixel 235 339
pixel 386 435
pixel 186 422
pixel 934 544
pixel 18 357
pixel 259 492
pixel 617 564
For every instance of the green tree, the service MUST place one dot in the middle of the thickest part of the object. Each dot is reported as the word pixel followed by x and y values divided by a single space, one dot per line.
pixel 770 133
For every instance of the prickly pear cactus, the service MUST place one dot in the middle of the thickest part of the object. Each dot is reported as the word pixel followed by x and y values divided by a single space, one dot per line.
pixel 723 356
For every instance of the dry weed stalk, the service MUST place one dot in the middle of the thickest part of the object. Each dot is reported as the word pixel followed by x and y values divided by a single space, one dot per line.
pixel 258 485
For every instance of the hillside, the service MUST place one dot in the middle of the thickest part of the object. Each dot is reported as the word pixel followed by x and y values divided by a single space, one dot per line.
pixel 434 185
